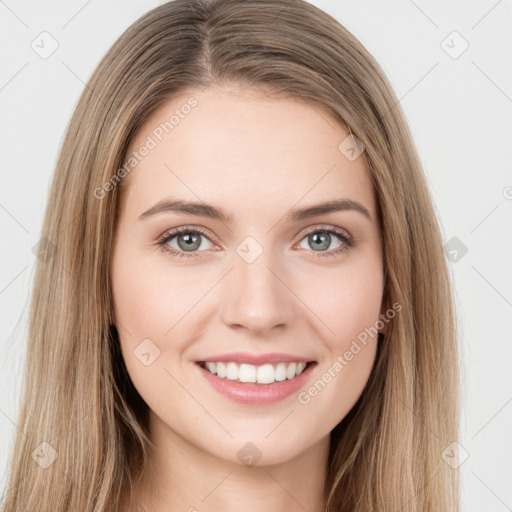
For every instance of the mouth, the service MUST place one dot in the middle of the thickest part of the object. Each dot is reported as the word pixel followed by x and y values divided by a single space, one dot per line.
pixel 264 374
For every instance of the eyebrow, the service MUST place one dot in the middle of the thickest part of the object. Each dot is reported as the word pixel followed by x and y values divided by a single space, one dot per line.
pixel 214 212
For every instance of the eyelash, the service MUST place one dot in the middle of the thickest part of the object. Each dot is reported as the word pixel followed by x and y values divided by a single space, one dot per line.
pixel 347 241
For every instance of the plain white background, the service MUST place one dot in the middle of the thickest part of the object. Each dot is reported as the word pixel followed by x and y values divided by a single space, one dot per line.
pixel 458 102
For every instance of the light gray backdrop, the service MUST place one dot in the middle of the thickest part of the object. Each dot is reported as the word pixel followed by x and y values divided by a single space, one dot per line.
pixel 450 65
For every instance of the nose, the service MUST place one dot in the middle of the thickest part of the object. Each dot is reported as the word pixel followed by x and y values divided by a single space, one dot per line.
pixel 256 296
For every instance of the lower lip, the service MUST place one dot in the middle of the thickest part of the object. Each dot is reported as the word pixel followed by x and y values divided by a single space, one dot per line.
pixel 252 393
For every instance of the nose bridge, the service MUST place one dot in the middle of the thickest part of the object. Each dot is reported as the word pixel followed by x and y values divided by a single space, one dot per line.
pixel 255 297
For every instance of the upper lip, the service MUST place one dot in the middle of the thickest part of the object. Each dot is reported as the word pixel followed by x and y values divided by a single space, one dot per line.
pixel 256 359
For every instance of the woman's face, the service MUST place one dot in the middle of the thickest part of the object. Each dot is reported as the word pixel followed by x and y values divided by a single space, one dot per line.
pixel 261 288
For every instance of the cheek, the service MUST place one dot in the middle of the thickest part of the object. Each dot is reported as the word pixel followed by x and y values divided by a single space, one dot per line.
pixel 146 309
pixel 143 313
pixel 156 308
pixel 349 304
pixel 137 301
pixel 347 300
pixel 149 298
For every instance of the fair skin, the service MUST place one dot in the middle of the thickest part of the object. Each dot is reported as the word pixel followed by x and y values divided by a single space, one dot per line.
pixel 257 158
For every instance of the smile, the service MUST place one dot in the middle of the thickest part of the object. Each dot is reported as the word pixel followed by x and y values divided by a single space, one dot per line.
pixel 256 379
pixel 263 374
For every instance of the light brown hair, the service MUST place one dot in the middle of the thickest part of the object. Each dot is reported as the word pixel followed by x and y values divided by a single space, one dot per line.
pixel 385 454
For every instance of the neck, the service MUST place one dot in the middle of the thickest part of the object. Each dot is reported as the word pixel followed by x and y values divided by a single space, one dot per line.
pixel 183 477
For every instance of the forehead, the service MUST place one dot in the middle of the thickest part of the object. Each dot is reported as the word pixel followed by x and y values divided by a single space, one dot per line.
pixel 245 149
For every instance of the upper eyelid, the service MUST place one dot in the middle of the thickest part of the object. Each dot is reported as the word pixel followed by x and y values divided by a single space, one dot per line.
pixel 319 227
pixel 204 231
pixel 171 233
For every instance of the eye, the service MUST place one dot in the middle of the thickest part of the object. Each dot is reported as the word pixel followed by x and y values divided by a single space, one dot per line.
pixel 187 239
pixel 321 239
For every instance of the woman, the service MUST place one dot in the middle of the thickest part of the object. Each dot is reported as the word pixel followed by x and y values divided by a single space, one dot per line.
pixel 245 300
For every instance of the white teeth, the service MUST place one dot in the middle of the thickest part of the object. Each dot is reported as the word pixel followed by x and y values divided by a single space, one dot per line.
pixel 221 370
pixel 264 374
pixel 290 371
pixel 247 373
pixel 212 367
pixel 280 372
pixel 232 371
pixel 300 368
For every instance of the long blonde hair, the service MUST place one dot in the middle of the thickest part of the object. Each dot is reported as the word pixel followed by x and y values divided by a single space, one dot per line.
pixel 82 425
